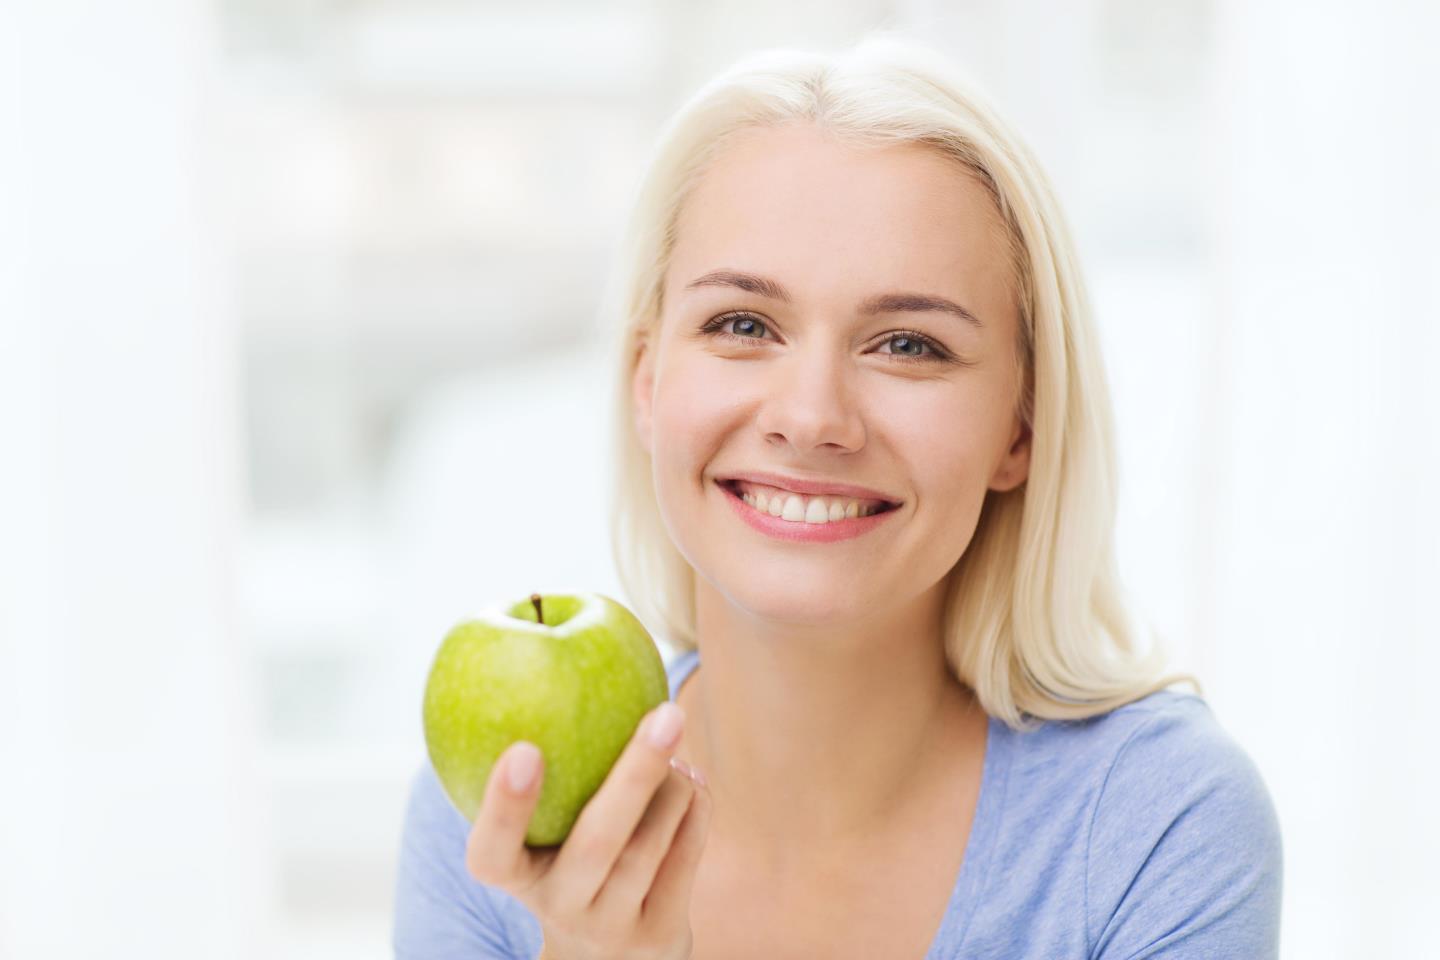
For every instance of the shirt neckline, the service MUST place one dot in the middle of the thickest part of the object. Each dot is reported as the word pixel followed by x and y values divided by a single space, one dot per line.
pixel 989 808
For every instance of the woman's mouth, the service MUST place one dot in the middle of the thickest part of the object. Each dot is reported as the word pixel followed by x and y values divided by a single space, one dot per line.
pixel 798 517
pixel 803 508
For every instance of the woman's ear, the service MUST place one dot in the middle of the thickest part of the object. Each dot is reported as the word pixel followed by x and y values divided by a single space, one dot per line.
pixel 642 386
pixel 1014 467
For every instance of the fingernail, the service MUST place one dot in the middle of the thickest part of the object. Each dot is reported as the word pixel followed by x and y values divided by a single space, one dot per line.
pixel 663 727
pixel 692 772
pixel 522 766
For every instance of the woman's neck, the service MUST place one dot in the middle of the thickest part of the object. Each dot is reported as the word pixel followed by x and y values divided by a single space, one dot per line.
pixel 813 739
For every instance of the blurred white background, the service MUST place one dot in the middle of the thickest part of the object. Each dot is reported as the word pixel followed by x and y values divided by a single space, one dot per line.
pixel 299 367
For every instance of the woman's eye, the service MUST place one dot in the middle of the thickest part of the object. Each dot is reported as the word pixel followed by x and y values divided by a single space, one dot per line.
pixel 907 346
pixel 902 345
pixel 744 325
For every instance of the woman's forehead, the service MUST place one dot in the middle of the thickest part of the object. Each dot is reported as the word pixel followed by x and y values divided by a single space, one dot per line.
pixel 819 215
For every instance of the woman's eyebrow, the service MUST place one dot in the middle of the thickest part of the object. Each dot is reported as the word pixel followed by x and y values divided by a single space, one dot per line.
pixel 882 303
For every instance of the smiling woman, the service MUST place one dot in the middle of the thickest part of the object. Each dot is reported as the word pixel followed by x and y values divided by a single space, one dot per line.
pixel 885 214
pixel 865 473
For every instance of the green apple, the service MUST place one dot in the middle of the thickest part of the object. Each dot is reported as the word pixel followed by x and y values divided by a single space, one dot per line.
pixel 573 674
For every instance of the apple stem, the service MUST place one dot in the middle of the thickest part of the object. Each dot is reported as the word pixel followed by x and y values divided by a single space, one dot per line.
pixel 535 599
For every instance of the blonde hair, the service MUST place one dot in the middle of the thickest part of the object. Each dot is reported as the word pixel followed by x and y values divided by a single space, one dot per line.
pixel 1034 621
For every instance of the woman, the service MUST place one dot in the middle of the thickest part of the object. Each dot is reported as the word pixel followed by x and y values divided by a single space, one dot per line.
pixel 866 483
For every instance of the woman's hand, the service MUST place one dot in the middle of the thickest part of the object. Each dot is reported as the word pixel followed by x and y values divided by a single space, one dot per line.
pixel 619 886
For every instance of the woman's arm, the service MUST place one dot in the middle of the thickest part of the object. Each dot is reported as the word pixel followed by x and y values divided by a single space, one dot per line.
pixel 440 911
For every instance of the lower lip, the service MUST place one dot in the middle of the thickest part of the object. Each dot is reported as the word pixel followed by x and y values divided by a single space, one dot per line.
pixel 799 530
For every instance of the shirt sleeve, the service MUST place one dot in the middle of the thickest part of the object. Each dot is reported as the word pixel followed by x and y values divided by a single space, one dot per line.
pixel 1184 857
pixel 441 912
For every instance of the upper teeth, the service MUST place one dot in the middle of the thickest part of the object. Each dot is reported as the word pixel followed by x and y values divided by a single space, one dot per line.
pixel 793 506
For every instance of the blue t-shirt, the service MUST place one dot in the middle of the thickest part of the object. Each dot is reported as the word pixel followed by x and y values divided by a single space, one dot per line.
pixel 1143 833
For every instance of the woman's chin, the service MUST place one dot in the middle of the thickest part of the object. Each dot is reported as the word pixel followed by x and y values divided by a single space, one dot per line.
pixel 795 605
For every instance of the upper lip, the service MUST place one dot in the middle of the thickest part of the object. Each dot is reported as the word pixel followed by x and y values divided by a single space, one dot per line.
pixel 817 488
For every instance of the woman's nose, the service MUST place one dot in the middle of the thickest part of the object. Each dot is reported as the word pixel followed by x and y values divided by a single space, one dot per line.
pixel 812 403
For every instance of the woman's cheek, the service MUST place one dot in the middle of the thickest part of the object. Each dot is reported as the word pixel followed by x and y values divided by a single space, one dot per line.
pixel 693 392
pixel 682 410
pixel 686 439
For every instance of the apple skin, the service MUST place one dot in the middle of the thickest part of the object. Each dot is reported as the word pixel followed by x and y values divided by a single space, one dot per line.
pixel 576 686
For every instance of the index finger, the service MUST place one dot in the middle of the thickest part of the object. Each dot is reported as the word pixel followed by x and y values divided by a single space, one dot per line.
pixel 495 852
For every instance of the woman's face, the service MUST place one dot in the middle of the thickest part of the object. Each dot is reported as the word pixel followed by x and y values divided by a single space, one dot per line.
pixel 822 383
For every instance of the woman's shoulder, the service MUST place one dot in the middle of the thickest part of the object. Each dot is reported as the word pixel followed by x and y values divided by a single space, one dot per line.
pixel 1184 836
pixel 1151 758
pixel 1155 816
pixel 1164 729
pixel 1168 757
